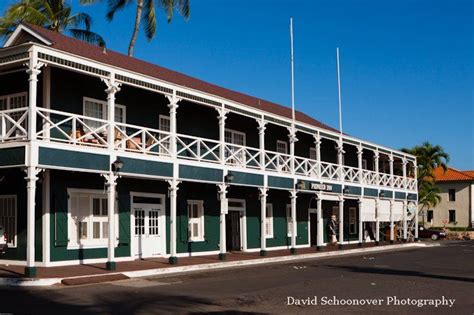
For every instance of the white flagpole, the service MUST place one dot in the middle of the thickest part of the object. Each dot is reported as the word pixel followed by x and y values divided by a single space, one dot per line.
pixel 339 90
pixel 292 78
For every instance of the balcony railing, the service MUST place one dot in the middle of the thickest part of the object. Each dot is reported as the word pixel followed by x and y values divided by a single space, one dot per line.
pixel 79 130
pixel 13 124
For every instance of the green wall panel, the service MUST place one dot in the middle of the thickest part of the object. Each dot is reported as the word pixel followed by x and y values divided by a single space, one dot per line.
pixel 371 192
pixel 247 178
pixel 146 167
pixel 12 156
pixel 280 182
pixel 400 195
pixel 387 193
pixel 200 173
pixel 73 159
pixel 354 190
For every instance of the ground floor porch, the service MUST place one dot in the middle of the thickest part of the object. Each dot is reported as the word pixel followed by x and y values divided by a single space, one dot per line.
pixel 168 219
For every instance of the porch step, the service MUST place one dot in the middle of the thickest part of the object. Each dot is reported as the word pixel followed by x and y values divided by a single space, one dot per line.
pixel 94 279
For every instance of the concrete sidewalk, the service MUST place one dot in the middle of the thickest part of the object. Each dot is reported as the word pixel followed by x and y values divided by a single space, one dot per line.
pixel 94 273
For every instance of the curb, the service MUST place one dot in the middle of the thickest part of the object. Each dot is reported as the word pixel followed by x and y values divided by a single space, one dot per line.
pixel 34 282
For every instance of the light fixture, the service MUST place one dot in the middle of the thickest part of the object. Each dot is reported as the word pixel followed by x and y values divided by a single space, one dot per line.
pixel 300 185
pixel 117 165
pixel 382 194
pixel 346 190
pixel 229 177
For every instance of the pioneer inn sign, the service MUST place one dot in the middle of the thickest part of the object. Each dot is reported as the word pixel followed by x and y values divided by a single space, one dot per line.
pixel 106 158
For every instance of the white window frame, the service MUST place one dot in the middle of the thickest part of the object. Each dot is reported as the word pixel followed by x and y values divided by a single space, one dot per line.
pixel 278 142
pixel 73 232
pixel 269 221
pixel 167 143
pixel 289 221
pixel 13 243
pixel 199 221
pixel 104 109
pixel 232 142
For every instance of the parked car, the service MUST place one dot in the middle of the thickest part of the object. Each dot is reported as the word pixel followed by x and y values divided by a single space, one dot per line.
pixel 433 234
pixel 3 240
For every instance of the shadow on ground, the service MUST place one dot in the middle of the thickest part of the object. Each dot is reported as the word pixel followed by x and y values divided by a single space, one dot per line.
pixel 409 273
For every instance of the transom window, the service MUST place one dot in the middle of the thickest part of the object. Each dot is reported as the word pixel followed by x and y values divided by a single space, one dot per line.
pixel 269 221
pixel 195 220
pixel 8 211
pixel 88 218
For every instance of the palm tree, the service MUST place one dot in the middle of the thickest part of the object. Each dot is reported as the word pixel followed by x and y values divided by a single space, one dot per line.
pixel 145 14
pixel 55 15
pixel 429 157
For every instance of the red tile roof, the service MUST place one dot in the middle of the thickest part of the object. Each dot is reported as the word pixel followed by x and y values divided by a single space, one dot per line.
pixel 112 58
pixel 452 174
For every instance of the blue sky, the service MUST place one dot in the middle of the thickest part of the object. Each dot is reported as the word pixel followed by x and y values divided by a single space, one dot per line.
pixel 407 66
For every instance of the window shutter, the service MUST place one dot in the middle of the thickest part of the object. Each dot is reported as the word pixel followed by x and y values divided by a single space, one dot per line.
pixel 124 225
pixel 60 226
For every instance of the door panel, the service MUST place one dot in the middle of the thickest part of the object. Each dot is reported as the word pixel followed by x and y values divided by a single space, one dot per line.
pixel 233 230
pixel 313 228
pixel 147 240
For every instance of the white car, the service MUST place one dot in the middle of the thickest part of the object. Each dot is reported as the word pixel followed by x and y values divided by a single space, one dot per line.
pixel 3 240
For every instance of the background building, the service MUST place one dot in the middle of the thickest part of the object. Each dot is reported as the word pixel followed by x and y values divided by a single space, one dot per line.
pixel 456 208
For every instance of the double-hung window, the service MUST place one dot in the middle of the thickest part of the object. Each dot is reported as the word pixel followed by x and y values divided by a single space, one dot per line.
pixel 195 220
pixel 164 125
pixel 452 194
pixel 10 102
pixel 312 154
pixel 452 216
pixel 269 221
pixel 8 212
pixel 98 109
pixel 289 220
pixel 283 161
pixel 234 140
pixel 88 218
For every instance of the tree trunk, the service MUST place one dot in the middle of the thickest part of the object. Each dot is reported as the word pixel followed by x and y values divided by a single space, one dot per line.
pixel 138 18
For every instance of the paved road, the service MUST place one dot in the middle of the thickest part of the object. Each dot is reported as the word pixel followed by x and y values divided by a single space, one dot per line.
pixel 426 273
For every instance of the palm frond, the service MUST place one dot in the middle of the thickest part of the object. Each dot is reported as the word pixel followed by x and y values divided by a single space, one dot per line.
pixel 149 19
pixel 87 2
pixel 80 19
pixel 114 6
pixel 87 36
pixel 183 7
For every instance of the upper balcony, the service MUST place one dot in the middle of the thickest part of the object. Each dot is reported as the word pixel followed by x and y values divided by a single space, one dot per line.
pixel 87 132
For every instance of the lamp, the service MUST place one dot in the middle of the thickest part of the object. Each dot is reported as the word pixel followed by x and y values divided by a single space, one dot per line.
pixel 229 177
pixel 300 185
pixel 382 194
pixel 346 190
pixel 117 165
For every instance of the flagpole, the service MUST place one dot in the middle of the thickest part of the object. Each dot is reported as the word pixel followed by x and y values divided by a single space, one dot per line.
pixel 339 89
pixel 292 78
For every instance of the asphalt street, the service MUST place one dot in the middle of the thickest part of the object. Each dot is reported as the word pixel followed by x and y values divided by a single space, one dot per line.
pixel 443 273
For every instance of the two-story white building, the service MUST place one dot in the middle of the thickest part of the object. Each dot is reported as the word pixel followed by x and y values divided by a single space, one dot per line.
pixel 105 158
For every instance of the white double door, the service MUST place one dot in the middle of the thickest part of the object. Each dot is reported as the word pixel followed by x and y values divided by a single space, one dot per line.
pixel 148 230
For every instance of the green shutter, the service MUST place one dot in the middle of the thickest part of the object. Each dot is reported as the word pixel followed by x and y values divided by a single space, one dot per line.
pixel 60 226
pixel 124 220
